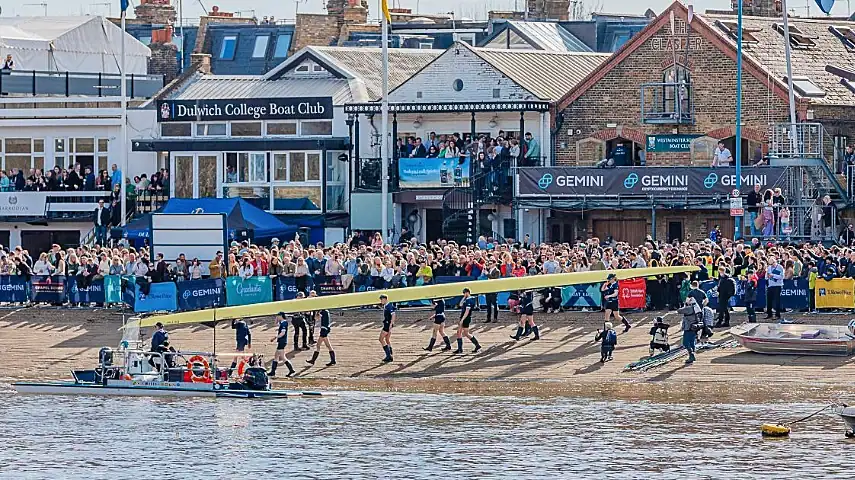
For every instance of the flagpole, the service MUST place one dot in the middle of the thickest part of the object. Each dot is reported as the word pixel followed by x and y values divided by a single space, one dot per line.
pixel 793 142
pixel 738 146
pixel 123 169
pixel 384 132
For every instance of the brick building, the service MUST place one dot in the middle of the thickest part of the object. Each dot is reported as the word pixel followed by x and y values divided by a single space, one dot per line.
pixel 667 97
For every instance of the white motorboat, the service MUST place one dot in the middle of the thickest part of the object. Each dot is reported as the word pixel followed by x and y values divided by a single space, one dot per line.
pixel 794 339
pixel 848 416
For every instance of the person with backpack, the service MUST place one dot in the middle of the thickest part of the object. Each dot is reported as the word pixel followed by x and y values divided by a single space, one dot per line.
pixel 692 323
pixel 659 332
pixel 608 339
pixel 726 290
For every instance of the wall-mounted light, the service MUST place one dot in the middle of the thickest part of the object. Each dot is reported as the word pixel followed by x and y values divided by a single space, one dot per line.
pixel 493 121
pixel 491 217
pixel 417 123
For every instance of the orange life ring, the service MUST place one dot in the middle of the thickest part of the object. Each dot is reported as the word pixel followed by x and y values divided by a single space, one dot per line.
pixel 242 367
pixel 206 375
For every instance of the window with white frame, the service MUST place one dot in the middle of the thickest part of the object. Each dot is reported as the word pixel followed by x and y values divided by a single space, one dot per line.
pixel 316 128
pixel 246 129
pixel 211 129
pixel 22 154
pixel 181 129
pixel 297 181
pixel 259 50
pixel 245 167
pixel 275 128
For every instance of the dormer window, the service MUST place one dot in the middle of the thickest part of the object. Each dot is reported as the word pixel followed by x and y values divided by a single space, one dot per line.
pixel 797 38
pixel 309 67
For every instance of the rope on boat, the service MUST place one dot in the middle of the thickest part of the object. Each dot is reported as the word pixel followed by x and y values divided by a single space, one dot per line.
pixel 784 429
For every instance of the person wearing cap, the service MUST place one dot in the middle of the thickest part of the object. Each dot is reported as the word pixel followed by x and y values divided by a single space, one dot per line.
pixel 609 292
pixel 281 340
pixel 389 315
pixel 467 306
pixel 274 242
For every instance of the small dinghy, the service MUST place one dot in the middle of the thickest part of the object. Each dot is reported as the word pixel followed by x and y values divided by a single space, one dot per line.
pixel 792 339
pixel 848 415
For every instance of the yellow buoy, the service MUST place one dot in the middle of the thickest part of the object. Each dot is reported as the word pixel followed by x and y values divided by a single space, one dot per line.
pixel 774 430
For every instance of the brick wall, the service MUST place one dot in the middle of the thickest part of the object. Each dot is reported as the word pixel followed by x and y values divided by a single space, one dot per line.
pixel 435 82
pixel 548 9
pixel 695 226
pixel 155 13
pixel 616 99
pixel 164 60
pixel 315 29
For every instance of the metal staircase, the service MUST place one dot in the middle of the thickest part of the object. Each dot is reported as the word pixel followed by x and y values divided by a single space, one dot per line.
pixel 460 205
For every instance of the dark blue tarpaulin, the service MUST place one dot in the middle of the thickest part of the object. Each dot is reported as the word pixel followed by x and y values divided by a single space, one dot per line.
pixel 241 215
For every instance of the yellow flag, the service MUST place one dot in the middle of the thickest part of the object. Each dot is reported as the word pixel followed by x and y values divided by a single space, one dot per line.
pixel 385 5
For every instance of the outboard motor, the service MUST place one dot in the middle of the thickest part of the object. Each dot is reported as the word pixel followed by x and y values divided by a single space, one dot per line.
pixel 255 378
pixel 105 357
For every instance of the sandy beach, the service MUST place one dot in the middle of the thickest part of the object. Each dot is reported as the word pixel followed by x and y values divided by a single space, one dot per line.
pixel 46 343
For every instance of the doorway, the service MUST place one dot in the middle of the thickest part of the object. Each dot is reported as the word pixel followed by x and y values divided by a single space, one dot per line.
pixel 748 149
pixel 675 231
pixel 41 240
pixel 625 153
pixel 433 224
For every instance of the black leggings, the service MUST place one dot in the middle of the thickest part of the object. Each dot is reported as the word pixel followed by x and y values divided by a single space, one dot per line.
pixel 492 306
pixel 299 326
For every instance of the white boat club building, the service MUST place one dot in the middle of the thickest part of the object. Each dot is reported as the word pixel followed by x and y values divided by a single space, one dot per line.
pixel 59 106
pixel 281 141
pixel 469 91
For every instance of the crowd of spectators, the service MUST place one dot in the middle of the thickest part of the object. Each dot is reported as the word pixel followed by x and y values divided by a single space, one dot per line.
pixel 75 178
pixel 366 260
pixel 486 150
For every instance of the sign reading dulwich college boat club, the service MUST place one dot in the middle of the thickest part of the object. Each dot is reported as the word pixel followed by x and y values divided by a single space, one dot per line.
pixel 659 181
pixel 670 143
pixel 303 108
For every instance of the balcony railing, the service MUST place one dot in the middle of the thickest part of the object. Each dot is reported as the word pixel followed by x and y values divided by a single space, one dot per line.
pixel 667 103
pixel 40 83
pixel 800 140
pixel 50 205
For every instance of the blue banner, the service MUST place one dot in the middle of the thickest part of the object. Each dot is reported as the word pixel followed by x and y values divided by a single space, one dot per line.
pixel 47 289
pixel 13 289
pixel 249 291
pixel 199 294
pixel 331 285
pixel 285 288
pixel 794 294
pixel 113 289
pixel 433 172
pixel 161 296
pixel 92 293
pixel 585 295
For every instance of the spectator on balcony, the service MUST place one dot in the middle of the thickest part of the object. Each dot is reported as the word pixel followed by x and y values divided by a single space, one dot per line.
pixel 180 270
pixel 451 150
pixel 753 201
pixel 88 180
pixel 432 152
pixel 432 141
pixel 419 150
pixel 5 183
pixel 721 156
pixel 828 214
pixel 116 175
pixel 195 270
pixel 103 183
pixel 18 179
pixel 74 180
pixel 9 63
pixel 532 150
pixel 102 221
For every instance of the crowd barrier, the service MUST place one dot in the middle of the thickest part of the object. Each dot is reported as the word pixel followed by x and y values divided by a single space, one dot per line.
pixel 208 293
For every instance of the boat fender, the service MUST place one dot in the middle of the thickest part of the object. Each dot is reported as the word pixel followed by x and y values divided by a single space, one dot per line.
pixel 126 377
pixel 774 430
pixel 242 367
pixel 205 377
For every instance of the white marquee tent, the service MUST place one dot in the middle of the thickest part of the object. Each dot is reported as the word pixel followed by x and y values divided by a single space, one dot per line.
pixel 70 44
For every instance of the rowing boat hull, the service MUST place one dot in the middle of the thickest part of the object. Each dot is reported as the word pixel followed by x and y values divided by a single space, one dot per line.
pixel 786 339
pixel 77 389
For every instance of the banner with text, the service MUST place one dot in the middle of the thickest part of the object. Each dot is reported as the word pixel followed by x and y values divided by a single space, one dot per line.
pixel 23 204
pixel 433 172
pixel 91 293
pixel 199 294
pixel 249 291
pixel 835 293
pixel 585 295
pixel 161 296
pixel 632 293
pixel 592 181
pixel 670 143
pixel 794 294
pixel 13 289
pixel 293 108
pixel 45 289
pixel 285 288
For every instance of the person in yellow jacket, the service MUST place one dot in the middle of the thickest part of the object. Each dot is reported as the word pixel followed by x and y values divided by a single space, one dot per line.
pixel 812 273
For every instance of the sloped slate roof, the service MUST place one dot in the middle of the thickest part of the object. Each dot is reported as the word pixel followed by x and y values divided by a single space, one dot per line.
pixel 252 86
pixel 549 75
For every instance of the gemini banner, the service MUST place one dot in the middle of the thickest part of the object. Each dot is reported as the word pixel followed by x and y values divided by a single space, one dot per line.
pixel 579 181
pixel 14 289
pixel 199 294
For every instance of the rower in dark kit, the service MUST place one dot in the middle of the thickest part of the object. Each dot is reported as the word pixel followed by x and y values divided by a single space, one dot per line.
pixel 323 338
pixel 527 317
pixel 299 324
pixel 281 340
pixel 243 339
pixel 389 316
pixel 438 318
pixel 467 306
pixel 610 301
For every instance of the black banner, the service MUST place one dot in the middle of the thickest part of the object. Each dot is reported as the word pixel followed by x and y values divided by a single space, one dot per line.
pixel 659 181
pixel 304 108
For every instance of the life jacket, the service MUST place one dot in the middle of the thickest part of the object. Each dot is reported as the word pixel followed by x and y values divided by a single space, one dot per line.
pixel 653 263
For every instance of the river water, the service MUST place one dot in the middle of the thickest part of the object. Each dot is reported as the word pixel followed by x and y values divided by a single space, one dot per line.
pixel 410 436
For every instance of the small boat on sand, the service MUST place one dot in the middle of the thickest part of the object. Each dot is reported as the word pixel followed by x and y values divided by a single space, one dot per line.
pixel 143 373
pixel 848 415
pixel 794 339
